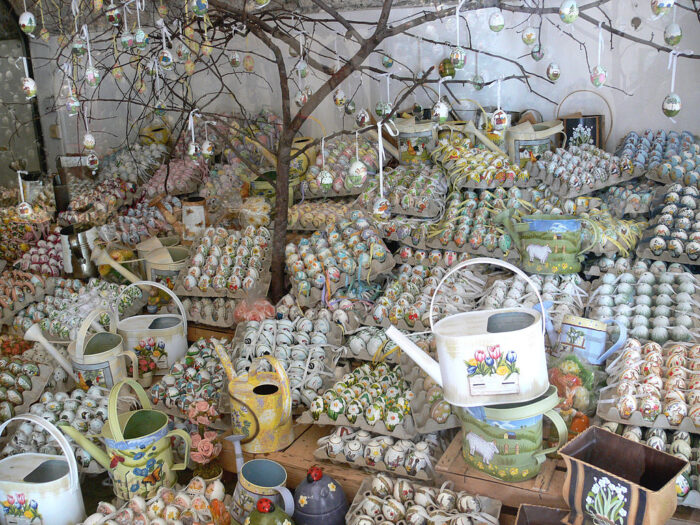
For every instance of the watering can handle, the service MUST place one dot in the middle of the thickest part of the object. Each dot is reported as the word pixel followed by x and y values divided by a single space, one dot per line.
pixel 287 498
pixel 562 431
pixel 277 367
pixel 616 346
pixel 495 262
pixel 167 290
pixel 113 414
pixel 178 432
pixel 58 436
pixel 85 326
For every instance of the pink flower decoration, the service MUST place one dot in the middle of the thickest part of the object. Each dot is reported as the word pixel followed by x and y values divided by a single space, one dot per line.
pixel 495 352
pixel 479 355
pixel 197 457
pixel 196 438
pixel 210 435
pixel 20 499
pixel 203 420
pixel 205 448
pixel 202 406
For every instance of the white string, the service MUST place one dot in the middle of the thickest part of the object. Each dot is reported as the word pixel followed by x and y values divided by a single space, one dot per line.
pixel 140 6
pixel 673 21
pixel 459 6
pixel 86 36
pixel 357 145
pixel 672 60
pixel 392 131
pixel 25 5
pixel 75 10
pixel 85 118
pixel 335 50
pixel 323 153
pixel 26 68
pixel 156 68
pixel 420 55
pixel 600 40
pixel 442 79
pixel 165 34
pixel 498 92
pixel 388 91
pixel 476 63
pixel 191 121
pixel 19 180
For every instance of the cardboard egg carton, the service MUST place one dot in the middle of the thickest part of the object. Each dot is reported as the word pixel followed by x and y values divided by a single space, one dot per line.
pixel 7 315
pixel 379 466
pixel 564 191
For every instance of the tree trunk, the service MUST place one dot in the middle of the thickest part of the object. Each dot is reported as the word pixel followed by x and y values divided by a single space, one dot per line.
pixel 279 236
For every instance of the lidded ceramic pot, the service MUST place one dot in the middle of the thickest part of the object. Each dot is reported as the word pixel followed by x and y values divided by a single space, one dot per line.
pixel 319 500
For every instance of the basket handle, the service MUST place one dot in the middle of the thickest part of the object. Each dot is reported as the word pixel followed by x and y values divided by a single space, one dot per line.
pixel 494 262
pixel 58 436
pixel 85 326
pixel 610 127
pixel 167 290
pixel 113 414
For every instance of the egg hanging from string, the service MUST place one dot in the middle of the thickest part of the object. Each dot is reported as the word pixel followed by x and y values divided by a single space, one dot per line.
pixel 92 76
pixel 189 67
pixel 440 112
pixel 140 86
pixel 446 68
pixel 194 151
pixel 140 38
pixel 325 180
pixel 163 10
pixel 160 108
pixel 362 118
pixel 477 82
pixel 207 149
pixel 93 162
pixel 89 141
pixel 673 34
pixel 182 52
pixel 553 72
pixel 29 87
pixel 387 61
pixel 44 34
pixel 350 107
pixel 165 59
pixel 78 47
pixel 235 59
pixel 499 119
pixel 118 72
pixel 458 57
pixel 568 11
pixel 27 22
pixel 302 68
pixel 381 208
pixel 497 22
pixel 529 36
pixel 598 76
pixel 97 5
pixel 339 98
pixel 671 105
pixel 300 98
pixel 207 48
pixel 114 15
pixel 127 40
pixel 661 7
pixel 259 4
pixel 537 53
pixel 382 109
pixel 357 173
pixel 248 63
pixel 199 7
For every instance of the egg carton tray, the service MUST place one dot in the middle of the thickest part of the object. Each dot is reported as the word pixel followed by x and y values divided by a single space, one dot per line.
pixel 226 322
pixel 259 290
pixel 512 255
pixel 490 506
pixel 38 385
pixel 433 211
pixel 692 499
pixel 407 430
pixel 334 337
pixel 606 410
pixel 470 185
pixel 330 194
pixel 424 475
pixel 644 252
pixel 563 191
pixel 8 314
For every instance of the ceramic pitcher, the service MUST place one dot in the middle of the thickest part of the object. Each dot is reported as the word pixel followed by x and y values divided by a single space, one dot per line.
pixel 258 478
pixel 586 338
pixel 99 359
pixel 139 455
pixel 505 441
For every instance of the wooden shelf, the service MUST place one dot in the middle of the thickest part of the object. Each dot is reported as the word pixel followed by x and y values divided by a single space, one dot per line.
pixel 197 331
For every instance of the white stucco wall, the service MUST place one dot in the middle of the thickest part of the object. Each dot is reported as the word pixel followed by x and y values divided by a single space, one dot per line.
pixel 637 69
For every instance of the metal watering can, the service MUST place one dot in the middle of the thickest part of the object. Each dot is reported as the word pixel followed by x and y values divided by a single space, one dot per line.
pixel 261 405
pixel 586 338
pixel 138 453
pixel 487 357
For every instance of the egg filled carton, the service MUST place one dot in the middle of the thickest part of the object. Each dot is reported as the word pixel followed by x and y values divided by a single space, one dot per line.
pixel 632 199
pixel 29 397
pixel 609 412
pixel 309 190
pixel 315 215
pixel 357 346
pixel 7 315
pixel 221 317
pixel 379 466
pixel 490 507
pixel 676 319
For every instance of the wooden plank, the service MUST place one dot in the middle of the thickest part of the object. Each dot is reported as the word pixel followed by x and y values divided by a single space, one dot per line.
pixel 197 331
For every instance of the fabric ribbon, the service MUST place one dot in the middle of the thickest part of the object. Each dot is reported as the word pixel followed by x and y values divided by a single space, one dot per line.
pixel 459 6
pixel 323 153
pixel 19 180
pixel 75 10
pixel 26 67
pixel 600 40
pixel 190 123
pixel 86 36
pixel 393 131
pixel 672 60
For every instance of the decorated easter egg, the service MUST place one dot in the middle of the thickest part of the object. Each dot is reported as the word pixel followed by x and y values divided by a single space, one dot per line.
pixel 29 87
pixel 598 76
pixel 568 11
pixel 339 98
pixel 440 112
pixel 477 82
pixel 127 40
pixel 199 7
pixel 661 7
pixel 350 107
pixel 671 105
pixel 529 36
pixel 248 63
pixel 673 34
pixel 553 72
pixel 497 22
pixel 387 61
pixel 458 57
pixel 362 118
pixel 235 59
pixel 537 53
pixel 89 141
pixel 27 22
pixel 446 69
pixel 381 208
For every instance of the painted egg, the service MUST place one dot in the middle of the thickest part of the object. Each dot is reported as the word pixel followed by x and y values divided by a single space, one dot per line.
pixel 598 76
pixel 27 22
pixel 568 11
pixel 529 36
pixel 497 22
pixel 458 57
pixel 671 105
pixel 673 34
pixel 553 72
pixel 537 53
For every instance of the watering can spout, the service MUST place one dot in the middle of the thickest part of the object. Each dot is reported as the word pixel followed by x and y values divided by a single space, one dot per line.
pixel 236 440
pixel 92 449
pixel 34 334
pixel 423 360
pixel 99 256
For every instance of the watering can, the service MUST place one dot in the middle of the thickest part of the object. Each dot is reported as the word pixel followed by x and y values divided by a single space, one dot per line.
pixel 34 334
pixel 548 244
pixel 164 335
pixel 138 455
pixel 586 338
pixel 162 264
pixel 261 405
pixel 98 359
pixel 41 488
pixel 490 357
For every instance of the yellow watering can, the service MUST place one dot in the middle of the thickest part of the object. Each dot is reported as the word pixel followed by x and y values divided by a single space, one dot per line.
pixel 261 405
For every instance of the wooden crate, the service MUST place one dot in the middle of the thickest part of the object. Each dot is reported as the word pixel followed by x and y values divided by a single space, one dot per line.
pixel 197 331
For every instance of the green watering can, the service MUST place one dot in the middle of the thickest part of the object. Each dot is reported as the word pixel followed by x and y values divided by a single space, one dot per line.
pixel 139 456
pixel 548 244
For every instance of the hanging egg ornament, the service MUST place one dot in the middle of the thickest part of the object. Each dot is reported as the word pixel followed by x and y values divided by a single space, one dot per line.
pixel 529 36
pixel 140 38
pixel 350 107
pixel 382 109
pixel 553 72
pixel 537 53
pixel 118 72
pixel 97 5
pixel 671 105
pixel 261 3
pixel 302 68
pixel 497 22
pixel 362 118
pixel 89 141
pixel 477 82
pixel 194 151
pixel 357 173
pixel 300 98
pixel 140 86
pixel 114 15
pixel 29 87
pixel 458 57
pixel 78 48
pixel 165 59
pixel 387 61
pixel 440 112
pixel 673 34
pixel 163 10
pixel 182 52
pixel 661 7
pixel 248 63
pixel 235 59
pixel 27 22
pixel 199 7
pixel 499 119
pixel 160 108
pixel 189 67
pixel 568 11
pixel 339 98
pixel 325 180
pixel 92 76
pixel 381 208
pixel 127 40
pixel 207 48
pixel 93 162
pixel 446 69
pixel 44 34
pixel 598 76
pixel 207 149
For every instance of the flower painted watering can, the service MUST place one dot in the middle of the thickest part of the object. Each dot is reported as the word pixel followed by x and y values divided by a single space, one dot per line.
pixel 138 456
pixel 586 338
pixel 487 357
pixel 163 335
pixel 548 244
pixel 40 488
pixel 257 479
pixel 99 359
pixel 261 404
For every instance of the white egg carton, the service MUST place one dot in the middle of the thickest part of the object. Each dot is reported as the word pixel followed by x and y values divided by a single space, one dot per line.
pixel 424 475
pixel 609 412
pixel 7 315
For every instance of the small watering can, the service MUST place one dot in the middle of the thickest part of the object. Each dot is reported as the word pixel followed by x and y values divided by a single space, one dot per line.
pixel 162 264
pixel 586 338
pixel 487 357
pixel 99 359
pixel 41 488
pixel 164 335
pixel 548 244
pixel 261 405
pixel 258 478
pixel 138 454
